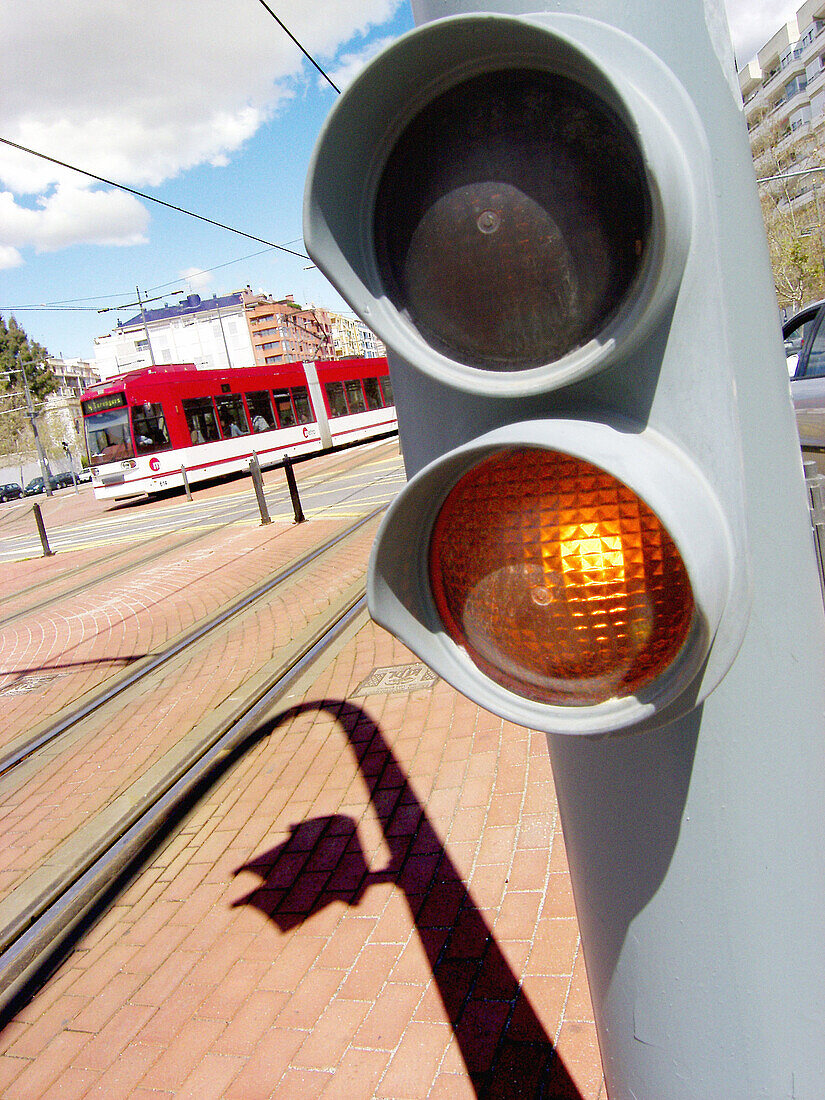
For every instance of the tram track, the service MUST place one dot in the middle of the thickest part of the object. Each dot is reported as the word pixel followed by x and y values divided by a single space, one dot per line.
pixel 40 917
pixel 26 748
pixel 134 750
pixel 347 462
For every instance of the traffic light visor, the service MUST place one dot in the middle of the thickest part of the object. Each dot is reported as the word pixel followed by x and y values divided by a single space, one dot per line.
pixel 504 207
pixel 557 580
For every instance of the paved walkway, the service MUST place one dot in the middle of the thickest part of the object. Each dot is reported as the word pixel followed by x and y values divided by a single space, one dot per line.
pixel 372 901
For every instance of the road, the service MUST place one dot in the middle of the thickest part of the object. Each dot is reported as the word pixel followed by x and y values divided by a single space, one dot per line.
pixel 373 481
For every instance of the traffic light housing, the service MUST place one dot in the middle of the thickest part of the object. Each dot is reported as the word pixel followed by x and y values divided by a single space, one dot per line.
pixel 551 221
pixel 523 210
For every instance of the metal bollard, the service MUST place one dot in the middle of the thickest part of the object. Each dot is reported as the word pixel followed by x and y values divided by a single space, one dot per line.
pixel 41 530
pixel 293 490
pixel 815 483
pixel 185 477
pixel 258 482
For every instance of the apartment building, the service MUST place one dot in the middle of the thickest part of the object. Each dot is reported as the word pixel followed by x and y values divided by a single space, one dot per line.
pixel 783 93
pixel 281 331
pixel 211 333
pixel 352 339
pixel 73 375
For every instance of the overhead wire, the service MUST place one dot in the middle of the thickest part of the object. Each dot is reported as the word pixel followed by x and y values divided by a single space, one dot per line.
pixel 307 55
pixel 152 198
pixel 65 303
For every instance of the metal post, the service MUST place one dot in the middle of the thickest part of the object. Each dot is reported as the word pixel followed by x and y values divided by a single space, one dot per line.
pixel 694 841
pixel 293 490
pixel 185 477
pixel 815 483
pixel 258 482
pixel 71 466
pixel 145 326
pixel 45 472
pixel 41 530
pixel 223 334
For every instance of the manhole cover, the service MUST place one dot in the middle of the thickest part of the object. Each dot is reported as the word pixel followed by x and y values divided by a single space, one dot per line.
pixel 397 678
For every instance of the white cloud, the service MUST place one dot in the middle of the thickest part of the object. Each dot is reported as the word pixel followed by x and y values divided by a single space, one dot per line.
pixel 9 257
pixel 753 22
pixel 197 278
pixel 139 94
pixel 350 64
pixel 70 215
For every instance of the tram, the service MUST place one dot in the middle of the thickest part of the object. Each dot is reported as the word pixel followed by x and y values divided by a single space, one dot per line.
pixel 146 427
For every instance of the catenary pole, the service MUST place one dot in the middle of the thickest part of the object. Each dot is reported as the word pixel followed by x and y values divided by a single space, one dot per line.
pixel 45 472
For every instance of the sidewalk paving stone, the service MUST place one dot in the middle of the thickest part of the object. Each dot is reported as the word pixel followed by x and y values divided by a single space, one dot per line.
pixel 372 902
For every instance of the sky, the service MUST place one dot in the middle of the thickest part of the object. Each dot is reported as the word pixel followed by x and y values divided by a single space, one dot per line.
pixel 205 104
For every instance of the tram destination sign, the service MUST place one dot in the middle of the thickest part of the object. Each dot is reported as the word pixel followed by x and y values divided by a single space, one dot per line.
pixel 100 404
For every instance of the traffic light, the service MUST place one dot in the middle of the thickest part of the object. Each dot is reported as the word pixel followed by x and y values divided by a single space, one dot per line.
pixel 521 209
pixel 551 221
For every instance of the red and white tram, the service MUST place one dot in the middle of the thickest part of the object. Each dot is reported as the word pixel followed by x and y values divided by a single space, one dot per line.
pixel 143 427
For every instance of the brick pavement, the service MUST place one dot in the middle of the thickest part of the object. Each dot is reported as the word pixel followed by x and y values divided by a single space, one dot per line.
pixel 373 902
pixel 76 642
pixel 86 773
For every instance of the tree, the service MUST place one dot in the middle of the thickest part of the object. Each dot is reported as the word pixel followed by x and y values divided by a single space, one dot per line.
pixel 19 354
pixel 795 246
pixel 791 210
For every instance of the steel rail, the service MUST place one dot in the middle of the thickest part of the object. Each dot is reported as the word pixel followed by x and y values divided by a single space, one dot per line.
pixel 47 932
pixel 13 759
pixel 280 493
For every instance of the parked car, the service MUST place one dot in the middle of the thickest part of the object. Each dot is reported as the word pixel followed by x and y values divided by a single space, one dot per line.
pixel 10 492
pixel 804 336
pixel 56 481
pixel 35 486
pixel 83 476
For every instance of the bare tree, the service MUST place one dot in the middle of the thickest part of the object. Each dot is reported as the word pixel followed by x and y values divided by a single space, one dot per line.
pixel 791 212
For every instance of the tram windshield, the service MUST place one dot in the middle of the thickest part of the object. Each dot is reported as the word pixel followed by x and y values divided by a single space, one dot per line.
pixel 108 436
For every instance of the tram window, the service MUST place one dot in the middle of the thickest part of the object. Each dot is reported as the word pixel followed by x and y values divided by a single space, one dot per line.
pixel 386 386
pixel 200 419
pixel 232 415
pixel 149 428
pixel 107 434
pixel 337 401
pixel 355 396
pixel 283 406
pixel 260 411
pixel 373 392
pixel 303 406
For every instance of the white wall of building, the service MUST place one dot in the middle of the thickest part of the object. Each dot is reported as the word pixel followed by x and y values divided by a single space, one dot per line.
pixel 198 335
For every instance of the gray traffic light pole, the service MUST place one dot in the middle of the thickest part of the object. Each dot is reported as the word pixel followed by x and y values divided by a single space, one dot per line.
pixel 695 848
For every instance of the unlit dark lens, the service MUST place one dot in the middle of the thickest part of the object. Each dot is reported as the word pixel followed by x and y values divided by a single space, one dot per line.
pixel 511 219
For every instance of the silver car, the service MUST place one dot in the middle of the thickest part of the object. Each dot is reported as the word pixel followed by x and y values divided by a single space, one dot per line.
pixel 804 336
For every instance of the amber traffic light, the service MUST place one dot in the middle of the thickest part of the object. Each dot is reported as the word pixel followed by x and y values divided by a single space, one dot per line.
pixel 557 579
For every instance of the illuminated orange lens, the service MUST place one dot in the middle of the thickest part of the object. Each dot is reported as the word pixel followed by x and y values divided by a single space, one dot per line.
pixel 560 583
